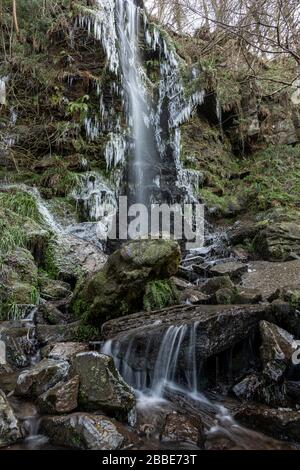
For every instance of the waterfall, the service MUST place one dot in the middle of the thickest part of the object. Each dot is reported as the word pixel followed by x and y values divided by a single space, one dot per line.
pixel 171 362
pixel 154 112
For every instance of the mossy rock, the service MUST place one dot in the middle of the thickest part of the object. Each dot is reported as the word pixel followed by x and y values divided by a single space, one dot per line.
pixel 18 283
pixel 119 288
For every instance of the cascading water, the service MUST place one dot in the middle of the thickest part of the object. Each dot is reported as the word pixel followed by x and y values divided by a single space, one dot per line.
pixel 154 111
pixel 171 363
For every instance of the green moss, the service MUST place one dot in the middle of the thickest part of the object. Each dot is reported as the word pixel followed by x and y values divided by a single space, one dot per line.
pixel 86 333
pixel 160 294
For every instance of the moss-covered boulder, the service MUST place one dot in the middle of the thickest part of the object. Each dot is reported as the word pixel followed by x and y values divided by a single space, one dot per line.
pixel 119 288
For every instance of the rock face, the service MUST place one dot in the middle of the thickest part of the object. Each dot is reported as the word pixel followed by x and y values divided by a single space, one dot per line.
pixel 9 427
pixel 101 386
pixel 276 351
pixel 83 431
pixel 119 287
pixel 278 242
pixel 62 398
pixel 42 377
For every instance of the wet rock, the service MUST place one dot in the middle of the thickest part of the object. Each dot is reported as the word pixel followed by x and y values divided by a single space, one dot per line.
pixel 179 428
pixel 119 287
pixel 233 269
pixel 214 284
pixel 278 423
pixel 9 426
pixel 40 378
pixel 278 241
pixel 101 386
pixel 276 350
pixel 66 351
pixel 62 398
pixel 83 431
pixel 56 333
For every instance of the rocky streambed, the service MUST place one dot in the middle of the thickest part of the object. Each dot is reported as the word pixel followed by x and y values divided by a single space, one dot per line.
pixel 215 371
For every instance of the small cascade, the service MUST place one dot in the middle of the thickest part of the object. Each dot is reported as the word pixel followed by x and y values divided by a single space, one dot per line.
pixel 171 362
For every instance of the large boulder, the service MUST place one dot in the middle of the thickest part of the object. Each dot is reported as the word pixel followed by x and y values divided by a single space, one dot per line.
pixel 276 350
pixel 101 387
pixel 82 431
pixel 9 426
pixel 40 378
pixel 119 287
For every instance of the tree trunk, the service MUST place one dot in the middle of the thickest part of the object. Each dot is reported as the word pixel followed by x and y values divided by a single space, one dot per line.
pixel 15 17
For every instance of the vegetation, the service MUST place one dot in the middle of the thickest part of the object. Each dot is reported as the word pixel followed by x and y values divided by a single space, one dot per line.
pixel 22 203
pixel 160 294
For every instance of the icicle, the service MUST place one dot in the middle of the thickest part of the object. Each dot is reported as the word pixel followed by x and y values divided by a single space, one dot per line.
pixel 3 81
pixel 115 150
